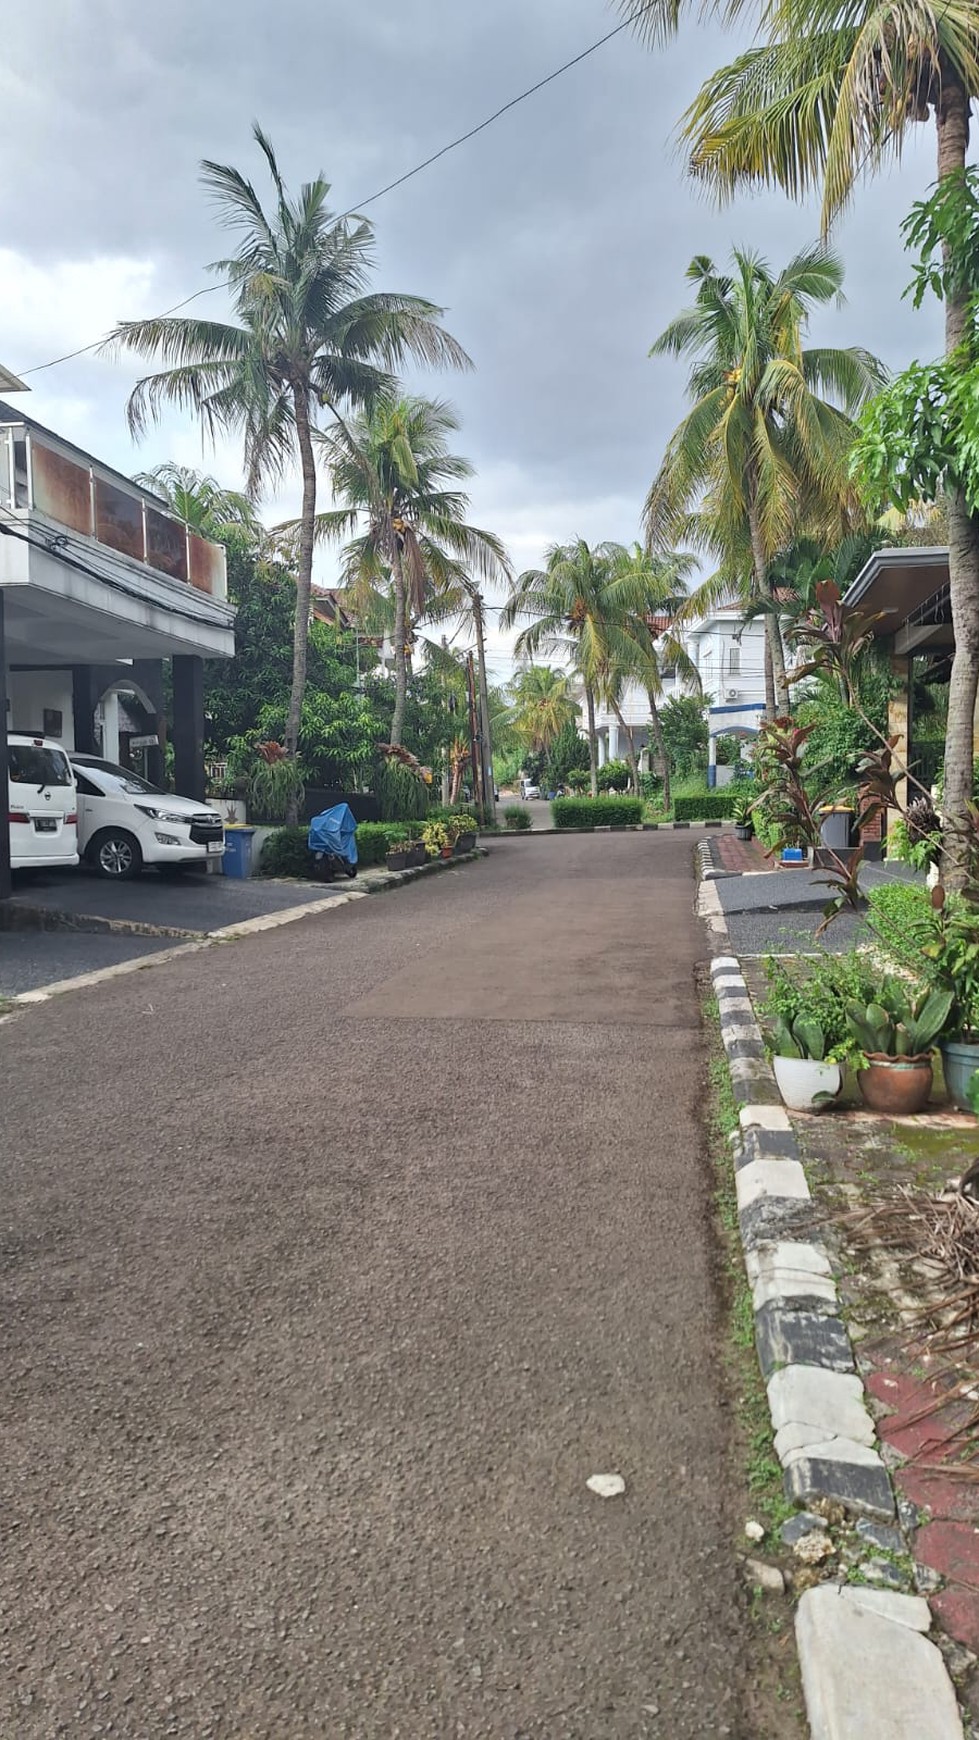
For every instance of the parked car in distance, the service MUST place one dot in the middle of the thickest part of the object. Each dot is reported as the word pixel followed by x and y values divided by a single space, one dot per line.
pixel 41 803
pixel 124 823
pixel 527 790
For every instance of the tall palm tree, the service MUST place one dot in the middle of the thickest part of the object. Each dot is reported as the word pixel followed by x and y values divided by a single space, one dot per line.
pixel 829 93
pixel 657 647
pixel 225 515
pixel 309 340
pixel 762 454
pixel 579 604
pixel 542 706
pixel 392 474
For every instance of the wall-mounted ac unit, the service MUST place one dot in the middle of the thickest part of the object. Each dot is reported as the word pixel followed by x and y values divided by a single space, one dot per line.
pixel 731 694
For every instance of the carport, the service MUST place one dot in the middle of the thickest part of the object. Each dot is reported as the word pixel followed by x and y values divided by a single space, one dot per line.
pixel 99 584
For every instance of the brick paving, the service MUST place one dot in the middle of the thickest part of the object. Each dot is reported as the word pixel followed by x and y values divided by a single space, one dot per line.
pixel 730 853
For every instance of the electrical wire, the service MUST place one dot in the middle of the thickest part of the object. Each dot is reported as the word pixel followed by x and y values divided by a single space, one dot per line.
pixel 399 181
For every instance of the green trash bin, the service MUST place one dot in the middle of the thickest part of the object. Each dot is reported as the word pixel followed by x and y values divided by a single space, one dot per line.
pixel 238 852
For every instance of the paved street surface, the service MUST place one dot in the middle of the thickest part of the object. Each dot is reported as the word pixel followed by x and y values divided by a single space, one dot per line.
pixel 334 1262
pixel 190 902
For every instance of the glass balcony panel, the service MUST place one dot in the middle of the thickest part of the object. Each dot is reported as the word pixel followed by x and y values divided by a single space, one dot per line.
pixel 62 489
pixel 207 570
pixel 118 519
pixel 166 545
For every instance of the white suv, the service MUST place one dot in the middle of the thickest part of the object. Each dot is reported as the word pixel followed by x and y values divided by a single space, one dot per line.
pixel 41 804
pixel 124 822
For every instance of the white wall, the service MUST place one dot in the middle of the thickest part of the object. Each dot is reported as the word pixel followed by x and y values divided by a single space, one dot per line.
pixel 30 692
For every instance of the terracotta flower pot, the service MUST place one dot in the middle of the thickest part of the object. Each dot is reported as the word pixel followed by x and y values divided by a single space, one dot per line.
pixel 896 1086
pixel 446 852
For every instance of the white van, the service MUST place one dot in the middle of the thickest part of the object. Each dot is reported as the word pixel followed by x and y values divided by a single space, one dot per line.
pixel 42 804
pixel 125 822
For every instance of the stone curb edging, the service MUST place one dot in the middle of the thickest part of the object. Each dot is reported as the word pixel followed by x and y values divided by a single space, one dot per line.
pixel 868 1669
pixel 370 884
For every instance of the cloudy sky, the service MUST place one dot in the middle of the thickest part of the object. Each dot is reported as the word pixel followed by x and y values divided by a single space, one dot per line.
pixel 557 240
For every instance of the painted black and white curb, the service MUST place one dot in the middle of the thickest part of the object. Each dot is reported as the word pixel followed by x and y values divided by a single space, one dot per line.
pixel 869 1670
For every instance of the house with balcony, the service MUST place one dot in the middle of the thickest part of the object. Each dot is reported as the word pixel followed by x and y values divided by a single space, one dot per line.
pixel 100 584
pixel 729 656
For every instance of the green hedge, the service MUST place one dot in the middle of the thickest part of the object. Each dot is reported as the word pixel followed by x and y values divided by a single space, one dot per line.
pixel 516 819
pixel 603 812
pixel 708 806
pixel 286 852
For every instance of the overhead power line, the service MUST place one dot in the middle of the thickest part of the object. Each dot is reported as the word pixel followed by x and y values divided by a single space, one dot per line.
pixel 400 180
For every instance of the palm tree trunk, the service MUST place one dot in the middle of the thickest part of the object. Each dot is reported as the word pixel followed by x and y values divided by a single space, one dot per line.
pixel 952 118
pixel 489 785
pixel 657 725
pixel 592 741
pixel 773 628
pixel 304 583
pixel 630 748
pixel 400 635
pixel 770 708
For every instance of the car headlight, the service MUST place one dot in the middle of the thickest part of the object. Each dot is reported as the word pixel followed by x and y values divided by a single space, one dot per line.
pixel 162 815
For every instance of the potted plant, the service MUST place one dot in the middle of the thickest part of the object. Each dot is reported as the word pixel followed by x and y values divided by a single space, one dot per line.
pixel 895 1034
pixel 953 950
pixel 417 855
pixel 465 839
pixel 807 1078
pixel 397 856
pixel 741 810
pixel 435 838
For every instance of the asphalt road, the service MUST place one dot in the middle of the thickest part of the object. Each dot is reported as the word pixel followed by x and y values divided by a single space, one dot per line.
pixel 333 1262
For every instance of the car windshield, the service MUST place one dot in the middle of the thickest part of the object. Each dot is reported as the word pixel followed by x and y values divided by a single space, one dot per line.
pixel 124 776
pixel 29 764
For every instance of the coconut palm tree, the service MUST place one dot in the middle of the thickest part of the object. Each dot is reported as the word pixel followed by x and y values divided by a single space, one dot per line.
pixel 656 646
pixel 762 454
pixel 543 706
pixel 580 603
pixel 225 515
pixel 309 340
pixel 830 93
pixel 392 475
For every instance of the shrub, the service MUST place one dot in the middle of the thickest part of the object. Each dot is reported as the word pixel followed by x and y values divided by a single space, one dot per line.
pixel 707 806
pixel 286 853
pixel 275 784
pixel 817 991
pixel 517 819
pixel 603 812
pixel 374 840
pixel 615 776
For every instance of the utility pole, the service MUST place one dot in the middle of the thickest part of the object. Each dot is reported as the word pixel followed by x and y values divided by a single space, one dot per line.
pixel 475 740
pixel 489 783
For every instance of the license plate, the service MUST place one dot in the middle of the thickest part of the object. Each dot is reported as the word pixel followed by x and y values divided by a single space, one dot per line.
pixel 215 846
pixel 46 825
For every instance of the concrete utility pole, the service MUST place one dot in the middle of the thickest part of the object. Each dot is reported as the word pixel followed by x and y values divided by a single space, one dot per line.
pixel 475 740
pixel 489 783
pixel 445 751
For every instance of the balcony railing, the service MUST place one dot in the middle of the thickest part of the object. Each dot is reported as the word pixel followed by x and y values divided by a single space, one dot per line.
pixel 62 484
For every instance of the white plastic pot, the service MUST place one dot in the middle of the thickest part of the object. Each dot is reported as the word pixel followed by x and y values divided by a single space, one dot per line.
pixel 801 1081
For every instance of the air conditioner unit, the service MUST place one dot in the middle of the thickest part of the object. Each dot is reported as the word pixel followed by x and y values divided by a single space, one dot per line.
pixel 731 694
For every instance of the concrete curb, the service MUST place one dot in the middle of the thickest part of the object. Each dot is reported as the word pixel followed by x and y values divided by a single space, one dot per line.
pixel 370 883
pixel 867 1670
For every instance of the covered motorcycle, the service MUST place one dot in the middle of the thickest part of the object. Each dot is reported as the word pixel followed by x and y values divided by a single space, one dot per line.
pixel 332 839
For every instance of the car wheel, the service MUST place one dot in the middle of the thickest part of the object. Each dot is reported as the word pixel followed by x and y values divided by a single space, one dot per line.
pixel 116 855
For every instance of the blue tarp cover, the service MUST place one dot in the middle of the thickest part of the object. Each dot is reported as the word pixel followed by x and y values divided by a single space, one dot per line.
pixel 335 831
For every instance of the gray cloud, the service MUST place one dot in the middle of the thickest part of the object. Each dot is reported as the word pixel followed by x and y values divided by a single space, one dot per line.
pixel 558 239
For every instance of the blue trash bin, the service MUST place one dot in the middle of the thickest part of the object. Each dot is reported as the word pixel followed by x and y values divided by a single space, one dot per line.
pixel 237 859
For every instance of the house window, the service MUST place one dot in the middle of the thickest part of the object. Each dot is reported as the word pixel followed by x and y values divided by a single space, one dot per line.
pixel 734 661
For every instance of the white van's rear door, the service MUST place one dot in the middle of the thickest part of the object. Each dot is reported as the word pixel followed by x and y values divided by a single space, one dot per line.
pixel 42 805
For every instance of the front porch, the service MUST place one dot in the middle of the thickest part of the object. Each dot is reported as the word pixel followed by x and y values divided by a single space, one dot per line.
pixel 99 585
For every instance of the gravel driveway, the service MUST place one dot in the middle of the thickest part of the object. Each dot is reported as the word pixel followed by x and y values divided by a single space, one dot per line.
pixel 333 1263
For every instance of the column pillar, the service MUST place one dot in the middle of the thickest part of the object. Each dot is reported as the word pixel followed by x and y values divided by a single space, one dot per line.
pixel 84 699
pixel 602 747
pixel 5 885
pixel 188 726
pixel 148 673
pixel 899 726
pixel 613 743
